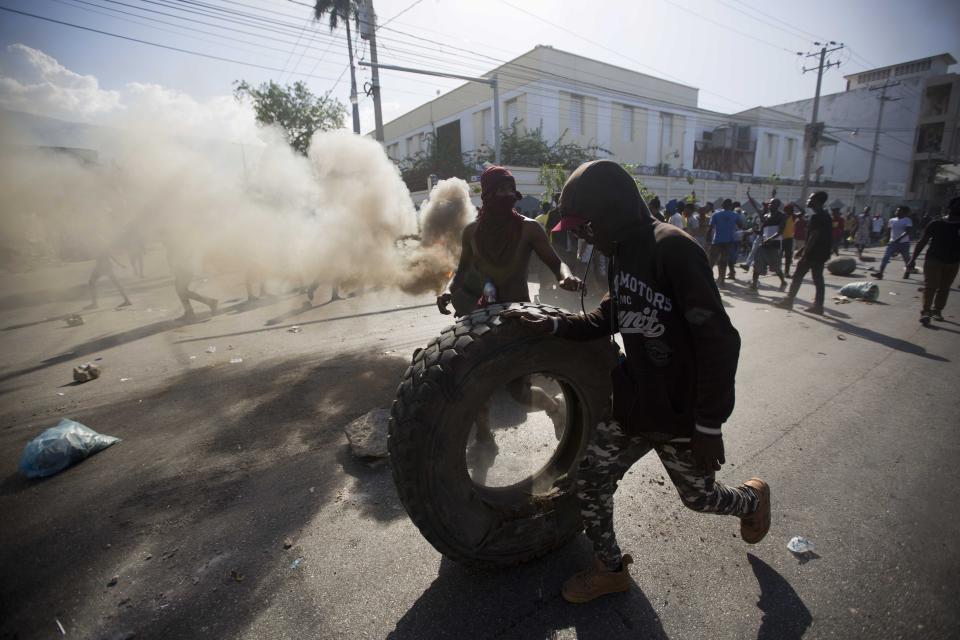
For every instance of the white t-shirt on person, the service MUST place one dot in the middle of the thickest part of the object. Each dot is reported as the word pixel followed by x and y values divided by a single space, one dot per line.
pixel 677 220
pixel 899 226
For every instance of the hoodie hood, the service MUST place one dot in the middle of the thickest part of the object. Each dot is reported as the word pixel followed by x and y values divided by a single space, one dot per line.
pixel 603 193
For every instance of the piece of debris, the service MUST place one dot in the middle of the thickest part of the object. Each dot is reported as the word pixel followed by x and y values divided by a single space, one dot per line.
pixel 236 360
pixel 113 581
pixel 60 626
pixel 74 320
pixel 86 372
pixel 892 293
pixel 236 575
pixel 295 329
pixel 287 543
pixel 125 379
pixel 861 291
pixel 61 393
pixel 296 563
pixel 229 347
pixel 193 357
pixel 368 434
pixel 799 544
pixel 211 349
pixel 840 336
pixel 61 446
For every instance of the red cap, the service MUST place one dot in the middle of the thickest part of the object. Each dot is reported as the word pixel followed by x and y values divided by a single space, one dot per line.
pixel 569 222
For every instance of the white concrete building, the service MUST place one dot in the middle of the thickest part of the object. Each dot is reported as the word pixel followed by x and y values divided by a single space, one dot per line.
pixel 638 118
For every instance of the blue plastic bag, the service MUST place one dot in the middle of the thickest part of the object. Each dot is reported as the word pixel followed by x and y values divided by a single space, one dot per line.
pixel 61 446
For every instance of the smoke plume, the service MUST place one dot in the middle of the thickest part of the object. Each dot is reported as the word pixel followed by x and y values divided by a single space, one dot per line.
pixel 255 206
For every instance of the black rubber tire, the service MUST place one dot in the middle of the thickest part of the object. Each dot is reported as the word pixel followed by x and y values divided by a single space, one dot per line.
pixel 431 420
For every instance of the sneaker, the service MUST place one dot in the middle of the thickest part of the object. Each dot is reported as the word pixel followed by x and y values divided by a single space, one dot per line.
pixel 936 315
pixel 906 274
pixel 925 319
pixel 597 581
pixel 745 267
pixel 783 285
pixel 752 287
pixel 815 309
pixel 754 527
pixel 878 275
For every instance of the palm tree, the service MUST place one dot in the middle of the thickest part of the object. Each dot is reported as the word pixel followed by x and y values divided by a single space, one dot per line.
pixel 343 10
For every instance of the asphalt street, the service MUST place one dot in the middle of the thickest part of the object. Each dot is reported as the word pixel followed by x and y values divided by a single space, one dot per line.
pixel 233 507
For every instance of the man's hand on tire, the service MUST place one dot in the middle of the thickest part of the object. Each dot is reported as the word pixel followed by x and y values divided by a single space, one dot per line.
pixel 443 300
pixel 707 451
pixel 534 321
pixel 571 283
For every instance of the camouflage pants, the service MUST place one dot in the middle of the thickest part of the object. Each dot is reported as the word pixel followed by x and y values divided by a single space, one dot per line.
pixel 612 452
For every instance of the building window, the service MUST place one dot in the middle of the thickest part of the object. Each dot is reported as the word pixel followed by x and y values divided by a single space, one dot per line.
pixel 626 123
pixel 790 149
pixel 771 140
pixel 937 100
pixel 929 137
pixel 414 144
pixel 512 111
pixel 576 118
pixel 393 151
pixel 481 127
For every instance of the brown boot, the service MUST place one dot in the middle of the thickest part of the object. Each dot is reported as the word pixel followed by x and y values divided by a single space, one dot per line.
pixel 597 581
pixel 754 527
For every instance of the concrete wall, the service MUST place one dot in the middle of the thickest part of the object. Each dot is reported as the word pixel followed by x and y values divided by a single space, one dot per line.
pixel 667 188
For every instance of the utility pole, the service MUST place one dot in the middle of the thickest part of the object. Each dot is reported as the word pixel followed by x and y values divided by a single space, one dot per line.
pixel 876 135
pixel 353 82
pixel 368 31
pixel 493 82
pixel 815 128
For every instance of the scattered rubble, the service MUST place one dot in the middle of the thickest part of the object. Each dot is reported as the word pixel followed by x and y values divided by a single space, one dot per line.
pixel 86 372
pixel 368 434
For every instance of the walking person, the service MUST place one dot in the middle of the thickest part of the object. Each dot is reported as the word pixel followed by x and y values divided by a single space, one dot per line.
pixel 813 255
pixel 900 225
pixel 668 311
pixel 787 239
pixel 768 254
pixel 722 240
pixel 876 227
pixel 861 232
pixel 942 262
pixel 836 230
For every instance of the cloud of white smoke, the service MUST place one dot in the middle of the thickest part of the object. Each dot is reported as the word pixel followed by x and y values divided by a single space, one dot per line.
pixel 184 173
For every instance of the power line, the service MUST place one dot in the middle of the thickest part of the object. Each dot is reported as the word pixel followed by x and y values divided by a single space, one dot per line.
pixel 152 44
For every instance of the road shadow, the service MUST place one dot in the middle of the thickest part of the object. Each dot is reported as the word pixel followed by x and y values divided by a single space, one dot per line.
pixel 216 469
pixel 524 602
pixel 899 344
pixel 308 322
pixel 80 292
pixel 785 616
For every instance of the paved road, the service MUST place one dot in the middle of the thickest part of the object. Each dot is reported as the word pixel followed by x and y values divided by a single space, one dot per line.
pixel 852 418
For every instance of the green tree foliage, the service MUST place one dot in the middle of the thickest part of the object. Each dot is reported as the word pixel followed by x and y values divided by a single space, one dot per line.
pixel 294 108
pixel 527 148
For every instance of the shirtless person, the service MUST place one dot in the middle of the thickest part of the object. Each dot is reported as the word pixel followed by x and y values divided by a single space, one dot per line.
pixel 498 244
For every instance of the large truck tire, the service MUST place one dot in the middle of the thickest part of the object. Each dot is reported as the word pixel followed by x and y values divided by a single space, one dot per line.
pixel 432 416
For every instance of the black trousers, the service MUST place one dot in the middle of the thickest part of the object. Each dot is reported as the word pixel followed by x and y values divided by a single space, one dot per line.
pixel 816 271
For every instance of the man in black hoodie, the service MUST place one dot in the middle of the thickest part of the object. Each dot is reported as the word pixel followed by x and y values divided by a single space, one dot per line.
pixel 675 387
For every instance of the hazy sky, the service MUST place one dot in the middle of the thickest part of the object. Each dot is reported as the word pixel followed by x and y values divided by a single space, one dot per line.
pixel 739 53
